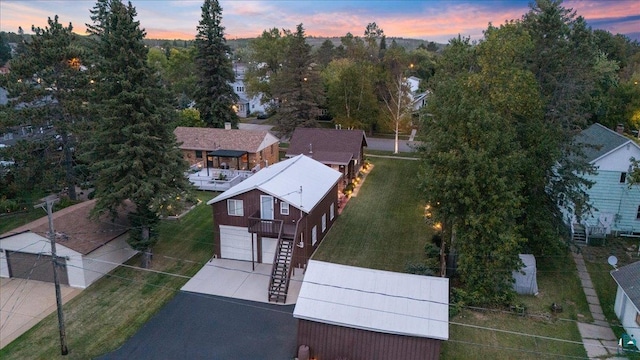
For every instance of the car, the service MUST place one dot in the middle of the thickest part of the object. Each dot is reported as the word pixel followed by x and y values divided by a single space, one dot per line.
pixel 262 115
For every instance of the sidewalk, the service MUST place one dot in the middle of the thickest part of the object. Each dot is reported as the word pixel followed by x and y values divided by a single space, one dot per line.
pixel 597 337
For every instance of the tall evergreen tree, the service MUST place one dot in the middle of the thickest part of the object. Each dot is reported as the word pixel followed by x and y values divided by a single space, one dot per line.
pixel 133 150
pixel 5 49
pixel 47 86
pixel 297 87
pixel 214 95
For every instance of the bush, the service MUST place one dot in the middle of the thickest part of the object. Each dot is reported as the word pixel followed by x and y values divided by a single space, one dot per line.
pixel 7 206
pixel 419 269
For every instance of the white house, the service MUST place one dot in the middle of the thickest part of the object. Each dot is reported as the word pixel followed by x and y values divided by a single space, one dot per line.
pixel 627 305
pixel 86 249
pixel 246 105
pixel 353 313
pixel 615 203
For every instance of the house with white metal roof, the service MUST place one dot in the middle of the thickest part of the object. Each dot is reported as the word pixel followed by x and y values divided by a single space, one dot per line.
pixel 277 216
pixel 359 313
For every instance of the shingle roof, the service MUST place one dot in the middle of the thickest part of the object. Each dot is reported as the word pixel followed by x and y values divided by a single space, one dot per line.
pixel 285 179
pixel 76 231
pixel 327 145
pixel 374 300
pixel 628 278
pixel 601 140
pixel 209 139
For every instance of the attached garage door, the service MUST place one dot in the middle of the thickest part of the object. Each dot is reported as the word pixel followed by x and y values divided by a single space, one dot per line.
pixel 35 267
pixel 235 243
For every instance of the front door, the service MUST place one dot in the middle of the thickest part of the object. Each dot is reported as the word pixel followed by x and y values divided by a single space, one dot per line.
pixel 266 207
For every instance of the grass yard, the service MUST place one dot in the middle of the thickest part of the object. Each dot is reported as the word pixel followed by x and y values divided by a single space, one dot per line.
pixel 383 228
pixel 106 314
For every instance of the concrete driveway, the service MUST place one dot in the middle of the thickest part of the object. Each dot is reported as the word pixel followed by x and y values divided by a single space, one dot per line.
pixel 237 279
pixel 23 303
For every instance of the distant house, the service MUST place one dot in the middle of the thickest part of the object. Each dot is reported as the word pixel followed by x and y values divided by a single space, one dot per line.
pixel 616 204
pixel 278 216
pixel 247 104
pixel 347 312
pixel 227 148
pixel 418 98
pixel 86 249
pixel 342 150
pixel 627 305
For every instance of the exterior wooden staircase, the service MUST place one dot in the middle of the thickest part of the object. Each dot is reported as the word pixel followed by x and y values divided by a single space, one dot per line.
pixel 281 271
pixel 579 234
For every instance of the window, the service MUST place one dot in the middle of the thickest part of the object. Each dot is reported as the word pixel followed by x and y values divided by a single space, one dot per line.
pixel 284 208
pixel 623 177
pixel 324 222
pixel 638 318
pixel 332 211
pixel 198 154
pixel 314 235
pixel 235 207
pixel 638 213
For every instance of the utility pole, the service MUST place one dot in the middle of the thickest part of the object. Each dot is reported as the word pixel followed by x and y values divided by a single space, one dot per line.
pixel 48 202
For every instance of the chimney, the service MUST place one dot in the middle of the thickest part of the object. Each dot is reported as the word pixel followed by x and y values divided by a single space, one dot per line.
pixel 227 126
pixel 620 129
pixel 310 148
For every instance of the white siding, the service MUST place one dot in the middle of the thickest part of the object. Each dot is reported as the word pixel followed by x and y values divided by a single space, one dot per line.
pixel 627 314
pixel 618 160
pixel 269 246
pixel 106 258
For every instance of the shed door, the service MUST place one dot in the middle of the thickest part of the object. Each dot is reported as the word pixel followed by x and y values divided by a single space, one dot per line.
pixel 35 267
pixel 266 207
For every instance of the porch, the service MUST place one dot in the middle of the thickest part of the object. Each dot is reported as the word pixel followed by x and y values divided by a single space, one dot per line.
pixel 213 179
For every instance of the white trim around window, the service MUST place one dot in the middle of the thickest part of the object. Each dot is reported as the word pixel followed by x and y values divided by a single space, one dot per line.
pixel 235 207
pixel 314 235
pixel 284 208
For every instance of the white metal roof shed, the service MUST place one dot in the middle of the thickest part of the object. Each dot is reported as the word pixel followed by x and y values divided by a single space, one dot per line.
pixel 300 181
pixel 375 300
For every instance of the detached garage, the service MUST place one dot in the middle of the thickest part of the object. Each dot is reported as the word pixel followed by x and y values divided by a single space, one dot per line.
pixel 86 249
pixel 347 312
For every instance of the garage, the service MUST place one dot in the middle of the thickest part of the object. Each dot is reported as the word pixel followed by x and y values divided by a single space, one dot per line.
pixel 235 243
pixel 35 267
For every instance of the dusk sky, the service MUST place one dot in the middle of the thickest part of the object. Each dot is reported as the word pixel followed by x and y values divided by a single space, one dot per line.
pixel 433 20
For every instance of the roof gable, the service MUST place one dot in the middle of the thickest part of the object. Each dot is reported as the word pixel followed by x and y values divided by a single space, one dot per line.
pixel 300 181
pixel 209 139
pixel 374 300
pixel 628 278
pixel 76 231
pixel 327 145
pixel 600 141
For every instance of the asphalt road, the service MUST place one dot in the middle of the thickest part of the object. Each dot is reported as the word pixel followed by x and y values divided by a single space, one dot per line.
pixel 197 326
pixel 404 146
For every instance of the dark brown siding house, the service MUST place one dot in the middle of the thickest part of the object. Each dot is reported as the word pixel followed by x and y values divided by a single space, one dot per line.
pixel 343 150
pixel 347 312
pixel 277 216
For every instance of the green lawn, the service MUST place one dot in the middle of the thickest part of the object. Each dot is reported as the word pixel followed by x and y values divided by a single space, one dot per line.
pixel 383 228
pixel 600 273
pixel 111 310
